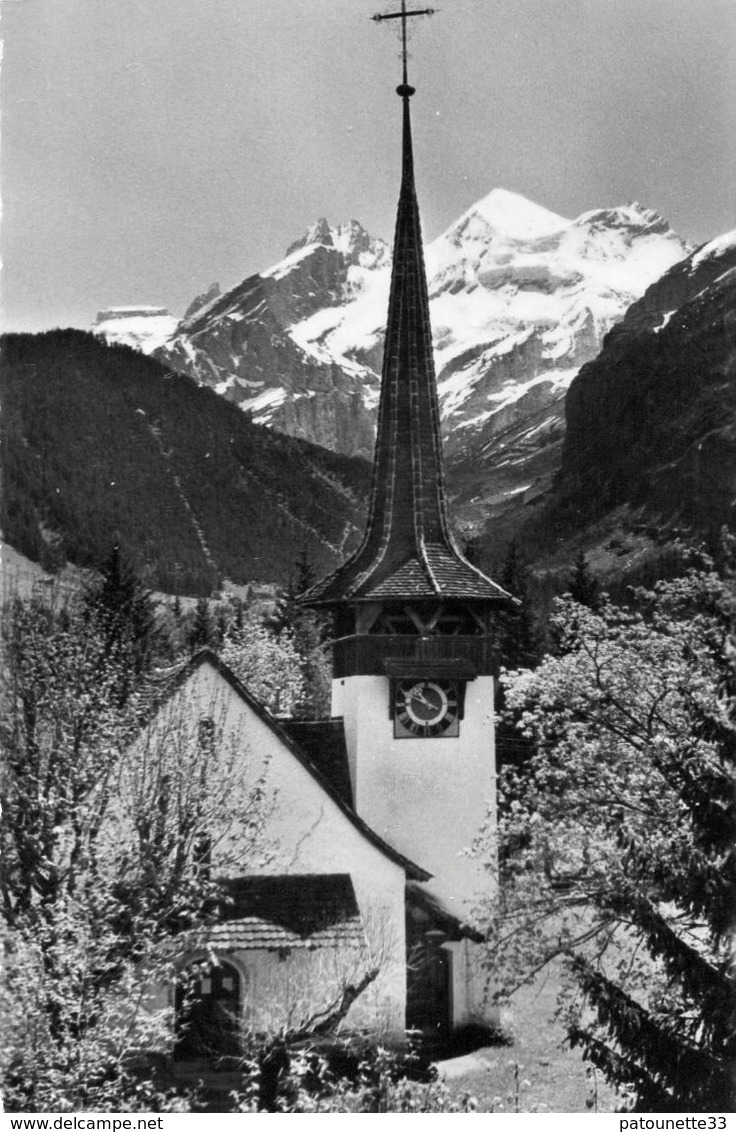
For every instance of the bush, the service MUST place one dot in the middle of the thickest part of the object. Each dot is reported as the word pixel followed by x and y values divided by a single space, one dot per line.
pixel 349 1076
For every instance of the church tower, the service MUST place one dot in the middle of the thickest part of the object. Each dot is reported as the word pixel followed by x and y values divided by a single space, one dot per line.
pixel 413 649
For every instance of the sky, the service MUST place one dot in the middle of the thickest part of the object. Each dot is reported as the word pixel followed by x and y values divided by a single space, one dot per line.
pixel 151 147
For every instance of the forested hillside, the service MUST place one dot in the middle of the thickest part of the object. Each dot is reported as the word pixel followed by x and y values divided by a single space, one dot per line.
pixel 101 444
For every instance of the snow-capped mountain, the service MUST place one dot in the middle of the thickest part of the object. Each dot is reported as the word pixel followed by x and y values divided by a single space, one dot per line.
pixel 247 342
pixel 520 299
pixel 144 328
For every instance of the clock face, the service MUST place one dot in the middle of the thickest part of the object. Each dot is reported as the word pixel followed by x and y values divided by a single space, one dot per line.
pixel 425 709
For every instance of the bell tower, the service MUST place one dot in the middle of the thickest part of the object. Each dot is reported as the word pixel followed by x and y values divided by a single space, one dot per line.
pixel 413 643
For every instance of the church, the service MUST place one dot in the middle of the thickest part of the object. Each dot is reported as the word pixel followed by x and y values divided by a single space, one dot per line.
pixel 355 889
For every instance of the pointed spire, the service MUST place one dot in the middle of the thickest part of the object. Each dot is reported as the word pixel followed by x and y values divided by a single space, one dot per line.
pixel 407 552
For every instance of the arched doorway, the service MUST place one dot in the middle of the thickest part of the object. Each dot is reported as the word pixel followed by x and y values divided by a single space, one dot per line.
pixel 208 1012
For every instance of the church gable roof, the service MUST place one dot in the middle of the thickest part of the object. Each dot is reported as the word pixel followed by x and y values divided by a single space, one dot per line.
pixel 323 741
pixel 177 679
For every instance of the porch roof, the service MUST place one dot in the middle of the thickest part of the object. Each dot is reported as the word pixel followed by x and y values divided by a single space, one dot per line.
pixel 271 913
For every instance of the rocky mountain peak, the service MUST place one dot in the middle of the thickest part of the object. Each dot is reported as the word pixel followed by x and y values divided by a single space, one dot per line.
pixel 354 244
pixel 317 233
pixel 515 216
pixel 500 218
pixel 201 301
pixel 633 217
pixel 358 246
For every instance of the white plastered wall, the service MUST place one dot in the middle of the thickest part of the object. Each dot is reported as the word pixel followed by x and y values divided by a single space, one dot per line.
pixel 304 832
pixel 429 798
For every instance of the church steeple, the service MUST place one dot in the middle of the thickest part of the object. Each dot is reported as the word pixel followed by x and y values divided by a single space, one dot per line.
pixel 413 649
pixel 407 552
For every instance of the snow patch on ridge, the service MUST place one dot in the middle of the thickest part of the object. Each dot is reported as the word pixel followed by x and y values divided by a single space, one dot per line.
pixel 286 265
pixel 558 379
pixel 715 249
pixel 268 400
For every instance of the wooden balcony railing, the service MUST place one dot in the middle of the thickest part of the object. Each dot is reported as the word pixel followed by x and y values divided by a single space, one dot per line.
pixel 384 654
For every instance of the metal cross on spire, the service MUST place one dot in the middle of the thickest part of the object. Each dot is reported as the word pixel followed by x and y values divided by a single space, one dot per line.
pixel 404 90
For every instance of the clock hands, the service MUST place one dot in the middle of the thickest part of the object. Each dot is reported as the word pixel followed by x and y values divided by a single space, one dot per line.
pixel 421 698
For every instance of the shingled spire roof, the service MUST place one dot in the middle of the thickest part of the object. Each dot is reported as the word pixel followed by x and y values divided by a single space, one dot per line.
pixel 407 551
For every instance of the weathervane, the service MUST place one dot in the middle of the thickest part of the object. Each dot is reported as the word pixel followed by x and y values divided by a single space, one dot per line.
pixel 404 90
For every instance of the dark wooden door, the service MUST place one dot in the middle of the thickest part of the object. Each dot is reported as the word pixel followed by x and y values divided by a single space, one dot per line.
pixel 428 995
pixel 208 1009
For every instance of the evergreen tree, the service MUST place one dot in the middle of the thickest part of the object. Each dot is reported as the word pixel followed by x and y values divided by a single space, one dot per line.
pixel 124 616
pixel 308 630
pixel 584 587
pixel 288 611
pixel 221 627
pixel 518 637
pixel 472 550
pixel 201 632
